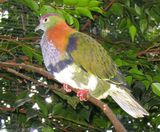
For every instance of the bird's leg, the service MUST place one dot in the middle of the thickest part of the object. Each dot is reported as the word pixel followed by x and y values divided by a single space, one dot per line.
pixel 66 88
pixel 82 94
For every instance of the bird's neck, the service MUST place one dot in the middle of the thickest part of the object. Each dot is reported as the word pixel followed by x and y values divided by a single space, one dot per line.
pixel 59 34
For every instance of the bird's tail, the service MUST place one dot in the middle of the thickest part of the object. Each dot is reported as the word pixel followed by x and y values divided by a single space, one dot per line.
pixel 125 100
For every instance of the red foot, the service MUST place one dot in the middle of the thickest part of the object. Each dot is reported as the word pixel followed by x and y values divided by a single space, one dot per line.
pixel 66 88
pixel 82 94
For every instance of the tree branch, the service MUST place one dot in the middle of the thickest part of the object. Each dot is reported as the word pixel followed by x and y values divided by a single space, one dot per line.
pixel 51 87
pixel 154 59
pixel 108 112
pixel 2 37
pixel 154 51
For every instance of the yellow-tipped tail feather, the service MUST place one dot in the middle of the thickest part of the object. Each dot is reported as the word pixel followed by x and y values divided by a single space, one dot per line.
pixel 125 100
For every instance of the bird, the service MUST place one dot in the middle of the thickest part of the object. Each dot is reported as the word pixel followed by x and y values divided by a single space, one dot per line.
pixel 75 59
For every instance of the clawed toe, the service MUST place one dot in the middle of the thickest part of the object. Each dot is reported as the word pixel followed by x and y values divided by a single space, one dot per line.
pixel 66 88
pixel 82 94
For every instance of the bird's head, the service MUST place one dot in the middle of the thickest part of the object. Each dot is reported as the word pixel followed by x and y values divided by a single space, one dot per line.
pixel 48 21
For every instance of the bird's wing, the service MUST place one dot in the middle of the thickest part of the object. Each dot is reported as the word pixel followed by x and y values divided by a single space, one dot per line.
pixel 93 58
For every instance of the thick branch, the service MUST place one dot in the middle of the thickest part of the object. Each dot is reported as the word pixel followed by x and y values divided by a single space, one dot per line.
pixel 108 112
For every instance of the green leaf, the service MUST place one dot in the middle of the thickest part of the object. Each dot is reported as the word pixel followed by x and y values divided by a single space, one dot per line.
pixel 146 83
pixel 69 114
pixel 156 77
pixel 23 94
pixel 100 121
pixel 68 18
pixel 132 32
pixel 31 4
pixel 129 80
pixel 73 101
pixel 31 114
pixel 117 9
pixel 57 108
pixel 38 57
pixel 84 11
pixel 7 96
pixel 46 9
pixel 96 9
pixel 123 23
pixel 21 102
pixel 156 88
pixel 143 25
pixel 94 3
pixel 31 52
pixel 26 50
pixel 154 16
pixel 76 23
pixel 85 114
pixel 127 2
pixel 119 62
pixel 137 9
pixel 21 118
pixel 82 3
pixel 47 129
pixel 132 11
pixel 149 78
pixel 58 2
pixel 156 120
pixel 70 2
pixel 136 71
pixel 128 22
pixel 42 105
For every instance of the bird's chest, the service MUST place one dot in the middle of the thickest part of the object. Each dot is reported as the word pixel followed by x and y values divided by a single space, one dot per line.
pixel 50 54
pixel 53 59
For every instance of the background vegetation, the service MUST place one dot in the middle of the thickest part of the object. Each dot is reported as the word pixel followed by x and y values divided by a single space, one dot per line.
pixel 128 29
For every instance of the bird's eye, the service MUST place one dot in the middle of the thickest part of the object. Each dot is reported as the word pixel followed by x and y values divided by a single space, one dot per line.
pixel 46 19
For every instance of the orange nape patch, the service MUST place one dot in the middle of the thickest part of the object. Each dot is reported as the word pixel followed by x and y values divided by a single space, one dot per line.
pixel 59 34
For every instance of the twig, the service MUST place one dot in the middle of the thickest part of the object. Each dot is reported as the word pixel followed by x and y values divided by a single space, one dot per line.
pixel 108 112
pixel 38 70
pixel 52 87
pixel 154 51
pixel 6 77
pixel 12 109
pixel 24 76
pixel 154 59
pixel 23 23
pixel 2 37
pixel 95 16
pixel 2 1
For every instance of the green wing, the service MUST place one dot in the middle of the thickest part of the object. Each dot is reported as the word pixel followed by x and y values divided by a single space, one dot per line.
pixel 93 58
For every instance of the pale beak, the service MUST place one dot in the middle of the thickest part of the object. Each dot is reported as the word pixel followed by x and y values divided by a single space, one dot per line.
pixel 37 28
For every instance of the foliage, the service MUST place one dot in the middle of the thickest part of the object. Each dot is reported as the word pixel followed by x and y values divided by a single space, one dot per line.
pixel 129 30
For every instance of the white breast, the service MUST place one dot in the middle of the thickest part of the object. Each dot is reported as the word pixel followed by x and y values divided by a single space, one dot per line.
pixel 66 76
